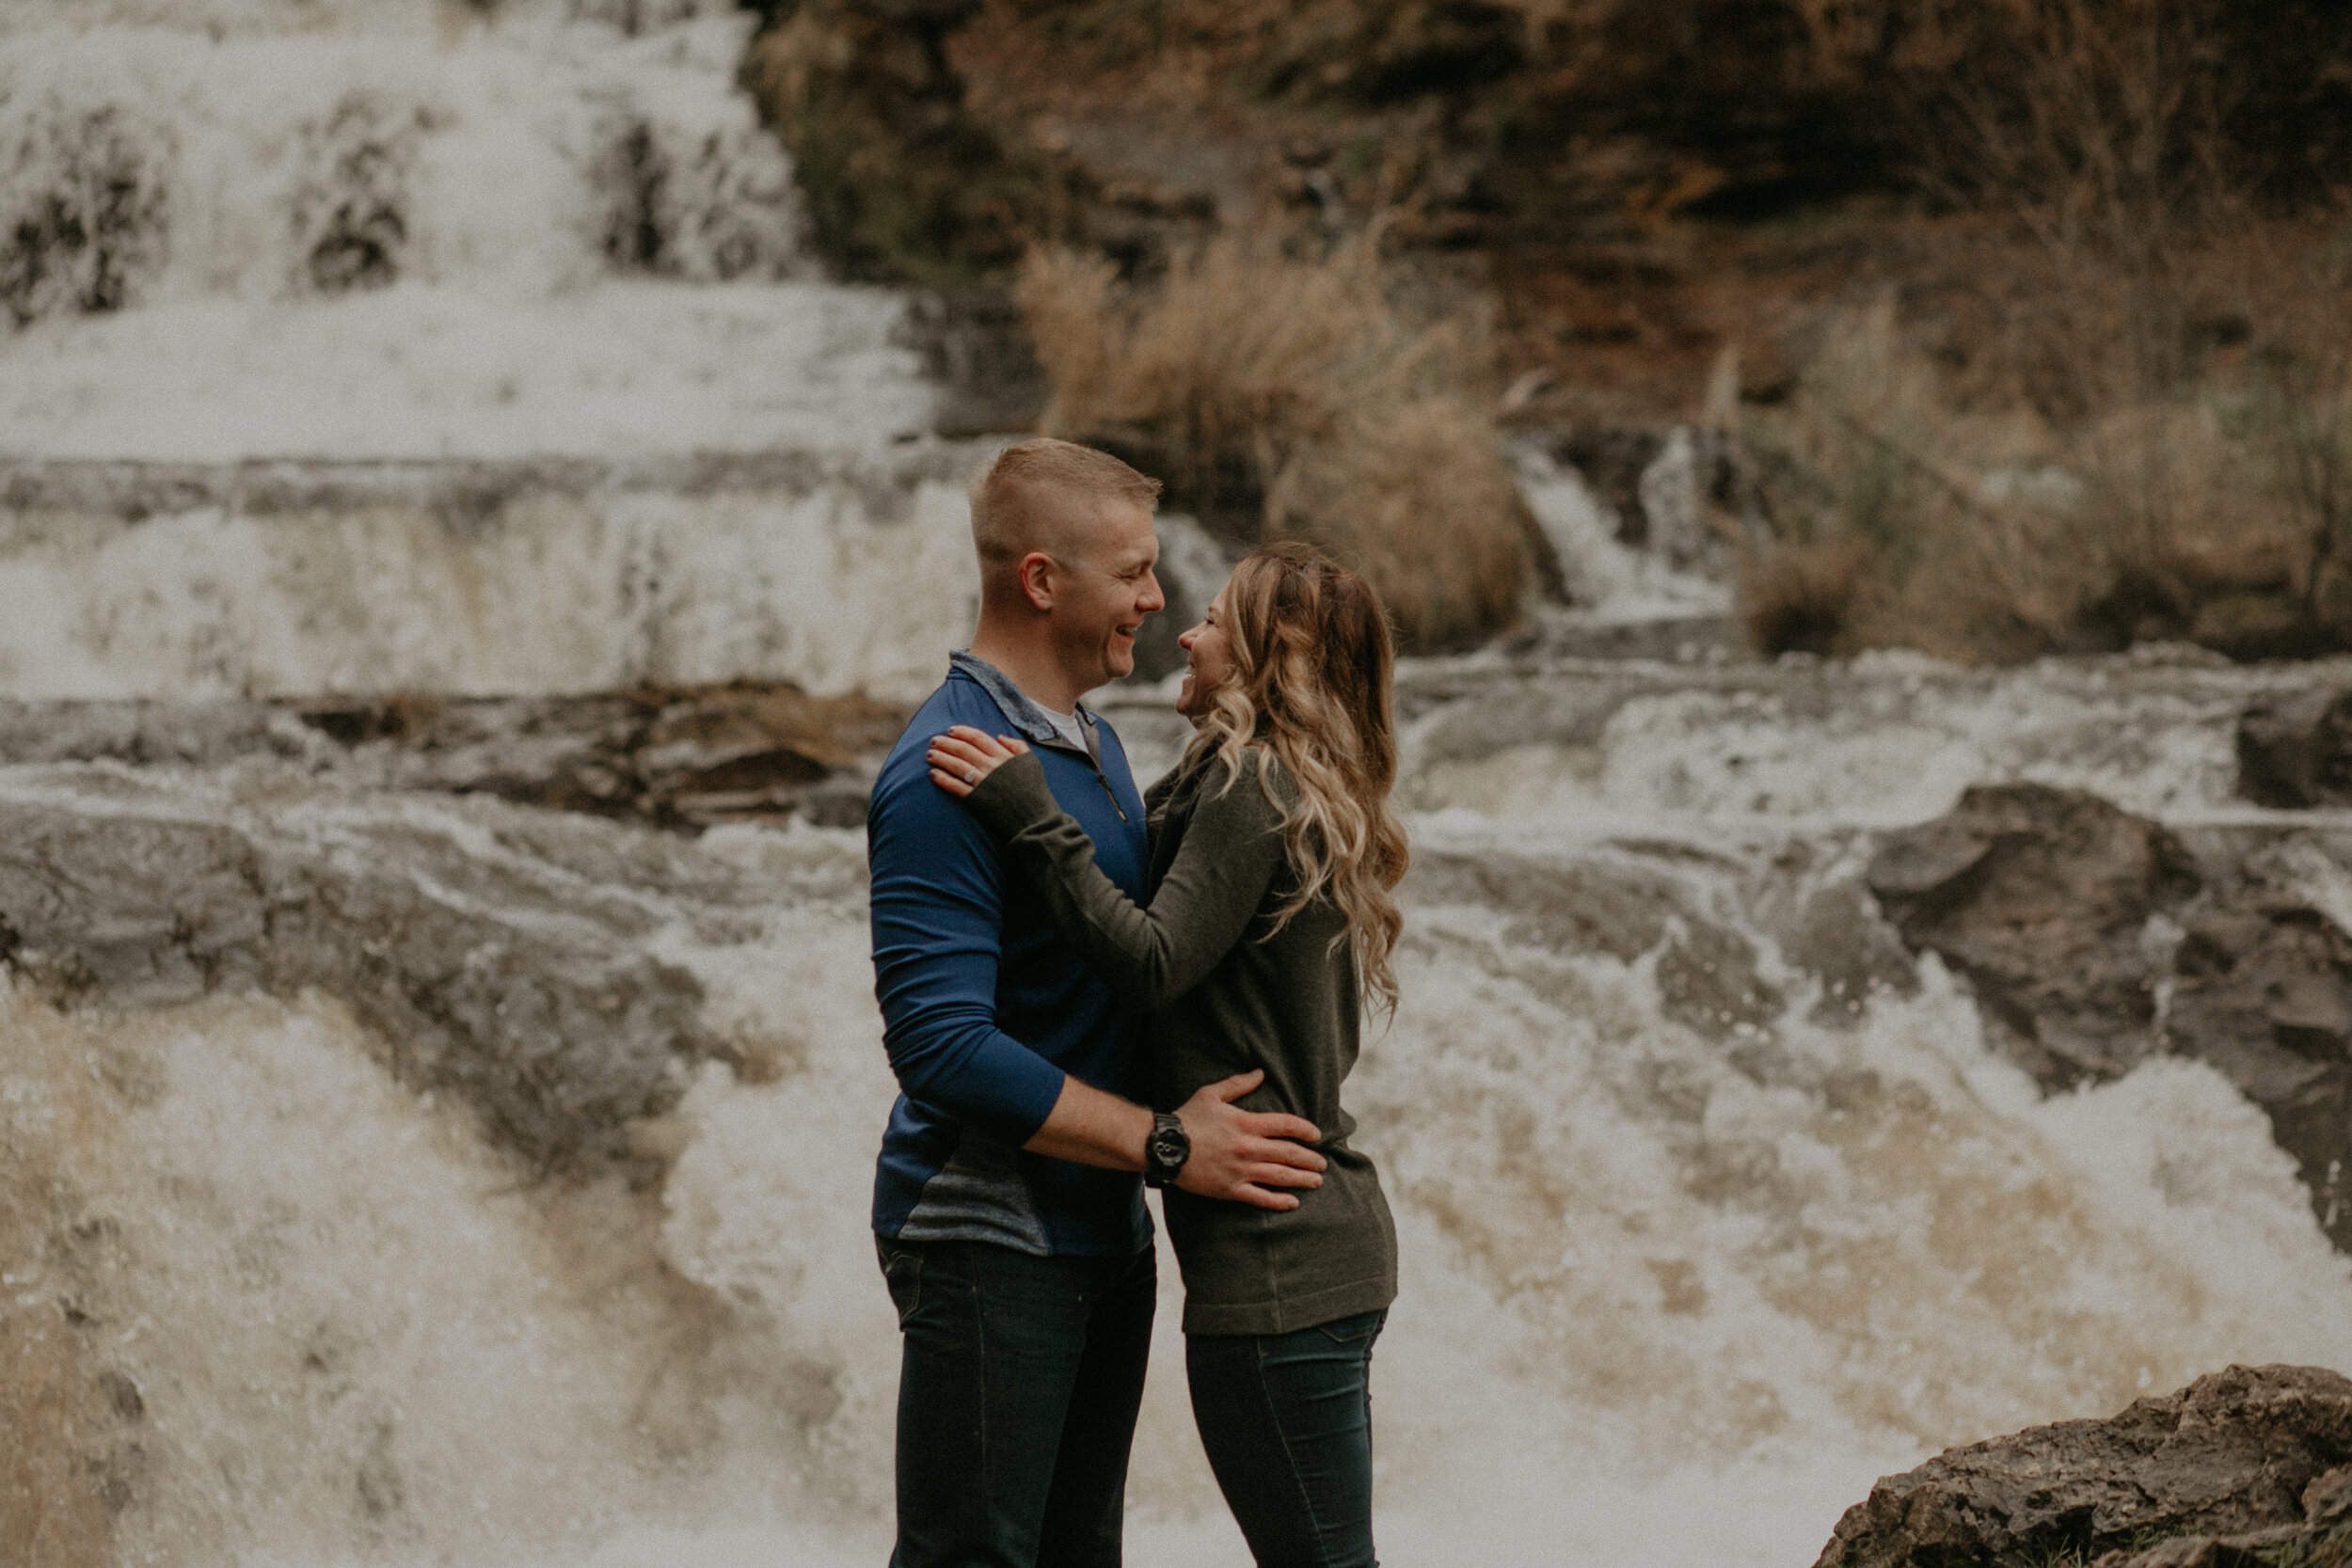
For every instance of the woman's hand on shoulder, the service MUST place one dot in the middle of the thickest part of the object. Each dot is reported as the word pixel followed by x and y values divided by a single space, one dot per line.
pixel 964 756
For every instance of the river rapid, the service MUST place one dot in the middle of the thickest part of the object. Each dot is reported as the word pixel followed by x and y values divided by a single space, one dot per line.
pixel 398 1178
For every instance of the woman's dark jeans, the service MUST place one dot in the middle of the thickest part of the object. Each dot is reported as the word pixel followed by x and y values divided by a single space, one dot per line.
pixel 1287 1421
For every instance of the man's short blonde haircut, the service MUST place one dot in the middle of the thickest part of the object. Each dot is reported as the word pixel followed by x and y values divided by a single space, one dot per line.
pixel 1035 494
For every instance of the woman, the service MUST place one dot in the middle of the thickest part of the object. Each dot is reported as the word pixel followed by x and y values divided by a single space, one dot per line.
pixel 1271 920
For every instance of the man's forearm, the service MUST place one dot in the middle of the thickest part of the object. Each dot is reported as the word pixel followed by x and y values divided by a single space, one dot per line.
pixel 1093 1127
pixel 1244 1156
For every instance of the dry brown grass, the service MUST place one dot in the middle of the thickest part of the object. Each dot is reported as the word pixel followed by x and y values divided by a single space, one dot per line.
pixel 2156 439
pixel 1289 397
pixel 2216 514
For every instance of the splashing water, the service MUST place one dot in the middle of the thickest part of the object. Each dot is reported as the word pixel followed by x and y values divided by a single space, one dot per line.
pixel 428 344
pixel 411 230
pixel 1702 1231
pixel 1675 1288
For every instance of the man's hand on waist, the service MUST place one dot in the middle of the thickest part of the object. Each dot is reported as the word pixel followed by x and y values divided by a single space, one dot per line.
pixel 1246 1156
pixel 1237 1155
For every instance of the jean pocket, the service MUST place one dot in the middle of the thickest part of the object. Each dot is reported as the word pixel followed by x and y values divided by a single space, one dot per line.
pixel 1348 1331
pixel 902 1270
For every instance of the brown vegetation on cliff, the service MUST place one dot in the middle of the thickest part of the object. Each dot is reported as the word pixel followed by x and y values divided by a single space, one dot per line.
pixel 2140 424
pixel 2087 247
pixel 1289 398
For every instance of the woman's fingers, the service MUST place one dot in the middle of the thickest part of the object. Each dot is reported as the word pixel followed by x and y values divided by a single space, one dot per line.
pixel 996 745
pixel 969 755
pixel 962 753
pixel 953 773
pixel 960 761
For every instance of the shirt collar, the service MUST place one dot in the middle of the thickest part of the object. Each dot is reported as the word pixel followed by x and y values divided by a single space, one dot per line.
pixel 1023 713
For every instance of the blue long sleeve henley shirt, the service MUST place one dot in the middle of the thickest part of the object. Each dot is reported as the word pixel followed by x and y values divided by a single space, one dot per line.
pixel 985 1007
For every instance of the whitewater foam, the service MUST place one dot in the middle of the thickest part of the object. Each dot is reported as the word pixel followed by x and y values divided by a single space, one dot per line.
pixel 1692 1247
pixel 1674 1288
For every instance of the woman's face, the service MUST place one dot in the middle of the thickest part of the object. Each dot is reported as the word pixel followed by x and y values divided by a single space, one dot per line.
pixel 1208 660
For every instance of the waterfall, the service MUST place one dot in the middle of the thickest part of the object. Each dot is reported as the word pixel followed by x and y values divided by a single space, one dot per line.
pixel 1715 1204
pixel 453 346
pixel 164 155
pixel 434 345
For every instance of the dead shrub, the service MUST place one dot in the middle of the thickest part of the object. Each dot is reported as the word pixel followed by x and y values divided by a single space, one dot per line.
pixel 2216 515
pixel 2157 440
pixel 1411 499
pixel 1806 598
pixel 1288 397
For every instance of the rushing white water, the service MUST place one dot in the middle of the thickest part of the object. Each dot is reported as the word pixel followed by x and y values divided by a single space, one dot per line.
pixel 1677 1285
pixel 842 572
pixel 1697 1240
pixel 1608 582
pixel 1890 738
pixel 411 228
pixel 412 249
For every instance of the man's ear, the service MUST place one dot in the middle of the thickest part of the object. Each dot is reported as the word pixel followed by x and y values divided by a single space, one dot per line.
pixel 1037 583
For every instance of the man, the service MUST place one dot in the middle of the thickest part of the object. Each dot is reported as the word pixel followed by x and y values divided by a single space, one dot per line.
pixel 1008 1212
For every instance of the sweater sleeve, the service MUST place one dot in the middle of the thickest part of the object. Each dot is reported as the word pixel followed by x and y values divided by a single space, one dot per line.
pixel 1231 850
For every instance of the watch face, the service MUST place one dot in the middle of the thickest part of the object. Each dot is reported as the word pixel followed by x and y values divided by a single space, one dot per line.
pixel 1168 1146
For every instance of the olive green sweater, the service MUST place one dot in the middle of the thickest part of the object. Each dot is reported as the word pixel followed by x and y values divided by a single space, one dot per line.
pixel 1222 997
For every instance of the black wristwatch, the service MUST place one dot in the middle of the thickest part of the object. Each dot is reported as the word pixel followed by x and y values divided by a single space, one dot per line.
pixel 1166 1150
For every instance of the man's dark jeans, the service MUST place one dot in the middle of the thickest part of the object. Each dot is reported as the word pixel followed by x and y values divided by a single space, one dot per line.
pixel 1287 1421
pixel 1018 1386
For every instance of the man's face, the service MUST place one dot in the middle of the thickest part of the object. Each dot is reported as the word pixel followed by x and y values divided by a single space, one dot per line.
pixel 1103 592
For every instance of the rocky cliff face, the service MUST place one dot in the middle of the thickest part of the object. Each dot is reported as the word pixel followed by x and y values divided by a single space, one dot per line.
pixel 2094 939
pixel 936 137
pixel 533 1000
pixel 2248 1465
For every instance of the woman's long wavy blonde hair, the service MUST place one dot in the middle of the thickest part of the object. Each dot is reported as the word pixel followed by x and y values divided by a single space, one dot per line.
pixel 1311 683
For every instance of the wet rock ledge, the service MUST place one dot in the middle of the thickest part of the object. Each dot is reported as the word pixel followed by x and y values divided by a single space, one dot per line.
pixel 2094 939
pixel 669 756
pixel 2250 1468
pixel 507 954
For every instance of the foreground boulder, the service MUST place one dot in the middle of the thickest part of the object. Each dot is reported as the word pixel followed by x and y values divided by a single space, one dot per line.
pixel 2094 938
pixel 2250 1464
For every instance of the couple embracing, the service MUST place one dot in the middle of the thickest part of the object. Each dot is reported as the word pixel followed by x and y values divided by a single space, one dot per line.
pixel 1081 986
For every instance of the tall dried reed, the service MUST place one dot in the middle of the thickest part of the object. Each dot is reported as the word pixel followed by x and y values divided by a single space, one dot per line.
pixel 2217 514
pixel 2158 437
pixel 1289 397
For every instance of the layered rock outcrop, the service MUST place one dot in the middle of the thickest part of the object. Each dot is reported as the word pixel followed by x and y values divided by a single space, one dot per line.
pixel 2252 1464
pixel 2295 749
pixel 673 757
pixel 2094 938
pixel 511 959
